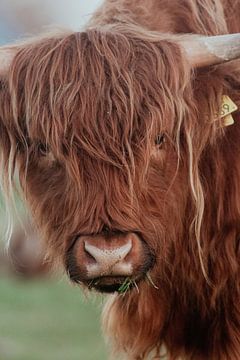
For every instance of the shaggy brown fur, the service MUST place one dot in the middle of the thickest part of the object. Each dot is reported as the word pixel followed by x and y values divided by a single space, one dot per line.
pixel 79 115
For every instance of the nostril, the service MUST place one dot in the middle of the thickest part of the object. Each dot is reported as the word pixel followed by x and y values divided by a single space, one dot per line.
pixel 89 253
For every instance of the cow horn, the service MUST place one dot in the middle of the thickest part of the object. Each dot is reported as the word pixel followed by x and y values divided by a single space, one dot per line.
pixel 6 56
pixel 210 50
pixel 201 50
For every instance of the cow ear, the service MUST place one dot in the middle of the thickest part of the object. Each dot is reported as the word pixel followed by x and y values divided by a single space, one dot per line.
pixel 12 140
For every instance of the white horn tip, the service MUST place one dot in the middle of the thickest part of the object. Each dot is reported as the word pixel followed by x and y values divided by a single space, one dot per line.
pixel 210 50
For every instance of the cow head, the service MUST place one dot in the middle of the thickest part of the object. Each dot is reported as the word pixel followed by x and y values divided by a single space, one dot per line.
pixel 100 125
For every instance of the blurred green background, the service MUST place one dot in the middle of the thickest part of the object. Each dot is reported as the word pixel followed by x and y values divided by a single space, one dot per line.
pixel 48 320
pixel 42 315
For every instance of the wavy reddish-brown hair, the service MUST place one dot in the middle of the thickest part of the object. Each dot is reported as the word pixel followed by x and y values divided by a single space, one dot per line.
pixel 79 115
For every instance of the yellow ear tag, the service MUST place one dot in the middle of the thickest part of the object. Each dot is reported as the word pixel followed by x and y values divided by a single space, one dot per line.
pixel 227 108
pixel 228 120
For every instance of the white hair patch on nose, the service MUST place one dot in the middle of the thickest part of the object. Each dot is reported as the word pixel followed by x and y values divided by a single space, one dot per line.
pixel 109 261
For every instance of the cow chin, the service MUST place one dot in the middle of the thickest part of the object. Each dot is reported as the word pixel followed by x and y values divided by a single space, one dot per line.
pixel 109 262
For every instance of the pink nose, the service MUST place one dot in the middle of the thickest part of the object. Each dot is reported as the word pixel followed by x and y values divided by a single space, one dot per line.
pixel 108 260
pixel 112 255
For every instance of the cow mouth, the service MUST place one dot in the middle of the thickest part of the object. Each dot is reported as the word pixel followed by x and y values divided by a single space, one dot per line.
pixel 111 284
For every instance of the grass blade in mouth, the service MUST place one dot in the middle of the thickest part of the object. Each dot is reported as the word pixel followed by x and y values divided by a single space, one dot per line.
pixel 136 286
pixel 92 283
pixel 148 276
pixel 125 286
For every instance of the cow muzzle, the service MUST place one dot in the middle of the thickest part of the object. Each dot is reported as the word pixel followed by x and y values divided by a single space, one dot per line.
pixel 105 261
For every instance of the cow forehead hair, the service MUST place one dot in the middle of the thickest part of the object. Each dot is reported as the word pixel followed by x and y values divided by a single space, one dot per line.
pixel 98 84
